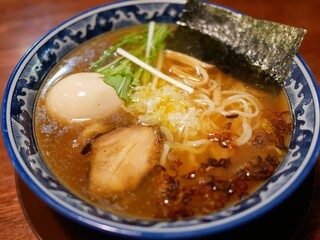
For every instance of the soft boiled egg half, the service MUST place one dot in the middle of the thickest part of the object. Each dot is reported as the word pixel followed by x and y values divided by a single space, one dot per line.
pixel 82 96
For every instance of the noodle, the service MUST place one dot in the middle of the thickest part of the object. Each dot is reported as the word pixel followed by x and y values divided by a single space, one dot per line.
pixel 166 149
pixel 244 99
pixel 183 119
pixel 246 133
pixel 180 57
pixel 167 133
pixel 197 143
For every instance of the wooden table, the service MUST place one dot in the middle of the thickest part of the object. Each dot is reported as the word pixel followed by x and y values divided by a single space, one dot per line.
pixel 22 22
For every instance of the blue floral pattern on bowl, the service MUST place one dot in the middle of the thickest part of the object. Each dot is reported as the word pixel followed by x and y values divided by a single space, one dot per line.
pixel 17 122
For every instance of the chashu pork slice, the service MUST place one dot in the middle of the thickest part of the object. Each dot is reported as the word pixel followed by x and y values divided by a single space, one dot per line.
pixel 121 158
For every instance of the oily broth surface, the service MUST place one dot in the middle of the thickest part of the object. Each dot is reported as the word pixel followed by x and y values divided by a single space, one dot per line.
pixel 58 140
pixel 61 145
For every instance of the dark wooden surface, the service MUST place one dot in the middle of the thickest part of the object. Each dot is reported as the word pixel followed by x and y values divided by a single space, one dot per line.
pixel 22 22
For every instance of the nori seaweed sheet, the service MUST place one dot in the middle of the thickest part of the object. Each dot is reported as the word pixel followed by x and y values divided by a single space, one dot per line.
pixel 256 51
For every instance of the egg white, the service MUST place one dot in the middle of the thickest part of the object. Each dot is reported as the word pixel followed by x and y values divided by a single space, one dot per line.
pixel 82 96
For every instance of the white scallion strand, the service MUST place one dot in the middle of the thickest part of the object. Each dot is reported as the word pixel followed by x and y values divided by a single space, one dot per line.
pixel 151 28
pixel 154 71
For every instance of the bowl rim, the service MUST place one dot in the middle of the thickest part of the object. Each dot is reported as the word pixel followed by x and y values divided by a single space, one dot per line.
pixel 131 231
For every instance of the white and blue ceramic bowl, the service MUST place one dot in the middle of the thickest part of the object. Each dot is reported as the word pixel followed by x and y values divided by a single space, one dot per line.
pixel 17 124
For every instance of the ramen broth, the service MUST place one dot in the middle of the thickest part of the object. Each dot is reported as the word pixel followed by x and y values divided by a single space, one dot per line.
pixel 200 178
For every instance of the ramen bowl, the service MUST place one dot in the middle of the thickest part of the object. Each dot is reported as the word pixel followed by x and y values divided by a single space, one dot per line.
pixel 18 130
